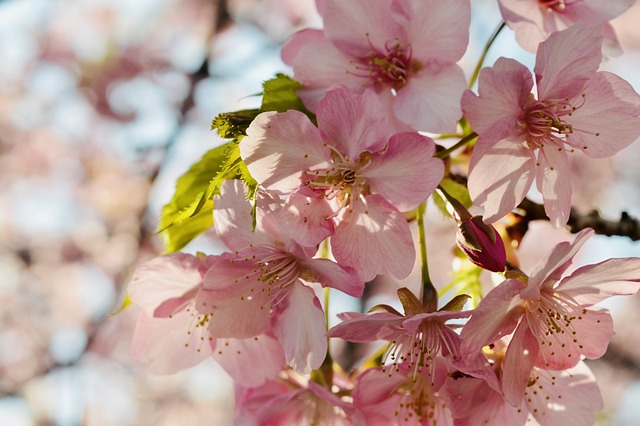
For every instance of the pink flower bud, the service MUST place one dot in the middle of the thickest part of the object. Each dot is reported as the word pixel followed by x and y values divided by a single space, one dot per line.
pixel 482 244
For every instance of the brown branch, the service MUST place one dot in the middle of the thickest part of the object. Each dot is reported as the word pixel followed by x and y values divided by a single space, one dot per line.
pixel 626 226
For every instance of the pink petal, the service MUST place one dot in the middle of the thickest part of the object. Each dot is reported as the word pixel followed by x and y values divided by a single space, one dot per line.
pixel 596 11
pixel 356 27
pixel 376 386
pixel 431 99
pixel 368 328
pixel 473 403
pixel 406 173
pixel 163 278
pixel 555 263
pixel 237 311
pixel 521 355
pixel 500 176
pixel 567 60
pixel 479 368
pixel 300 327
pixel 227 271
pixel 353 123
pixel 304 218
pixel 609 118
pixel 465 395
pixel 527 20
pixel 591 333
pixel 235 315
pixel 280 146
pixel 330 274
pixel 437 29
pixel 250 362
pixel 497 315
pixel 568 397
pixel 232 217
pixel 168 345
pixel 374 238
pixel 594 283
pixel 296 42
pixel 503 92
pixel 412 322
pixel 320 65
pixel 172 306
pixel 553 180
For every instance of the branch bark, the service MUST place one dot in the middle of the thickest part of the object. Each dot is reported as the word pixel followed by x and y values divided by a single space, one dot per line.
pixel 626 226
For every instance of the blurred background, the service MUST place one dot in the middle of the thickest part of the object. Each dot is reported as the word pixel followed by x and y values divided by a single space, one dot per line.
pixel 103 104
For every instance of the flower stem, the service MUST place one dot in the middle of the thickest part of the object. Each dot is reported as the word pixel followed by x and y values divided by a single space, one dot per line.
pixel 446 152
pixel 326 369
pixel 474 77
pixel 428 293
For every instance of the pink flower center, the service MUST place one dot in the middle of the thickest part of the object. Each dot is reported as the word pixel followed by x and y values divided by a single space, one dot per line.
pixel 417 401
pixel 274 272
pixel 419 350
pixel 390 67
pixel 342 181
pixel 551 321
pixel 545 122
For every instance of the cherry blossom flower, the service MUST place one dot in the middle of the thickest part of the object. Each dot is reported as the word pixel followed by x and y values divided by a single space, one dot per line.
pixel 171 334
pixel 553 316
pixel 398 396
pixel 404 50
pixel 417 337
pixel 534 20
pixel 291 401
pixel 259 286
pixel 553 397
pixel 352 164
pixel 522 138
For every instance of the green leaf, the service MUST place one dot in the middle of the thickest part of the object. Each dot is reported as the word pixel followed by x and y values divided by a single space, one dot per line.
pixel 232 125
pixel 457 191
pixel 279 94
pixel 179 234
pixel 188 214
pixel 441 203
pixel 466 279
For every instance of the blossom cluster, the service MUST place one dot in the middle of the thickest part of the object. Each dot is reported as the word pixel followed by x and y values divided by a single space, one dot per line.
pixel 322 194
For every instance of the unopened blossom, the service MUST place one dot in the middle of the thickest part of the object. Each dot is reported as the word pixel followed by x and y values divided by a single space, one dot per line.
pixel 551 397
pixel 406 51
pixel 260 286
pixel 551 316
pixel 534 20
pixel 523 138
pixel 171 334
pixel 353 165
pixel 482 244
pixel 416 338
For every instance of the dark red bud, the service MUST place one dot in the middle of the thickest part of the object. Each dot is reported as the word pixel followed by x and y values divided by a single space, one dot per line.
pixel 482 244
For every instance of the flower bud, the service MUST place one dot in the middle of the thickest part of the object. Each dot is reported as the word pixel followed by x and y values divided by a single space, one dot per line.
pixel 482 244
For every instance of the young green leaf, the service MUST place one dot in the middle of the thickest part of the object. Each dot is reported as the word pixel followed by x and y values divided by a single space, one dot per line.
pixel 188 214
